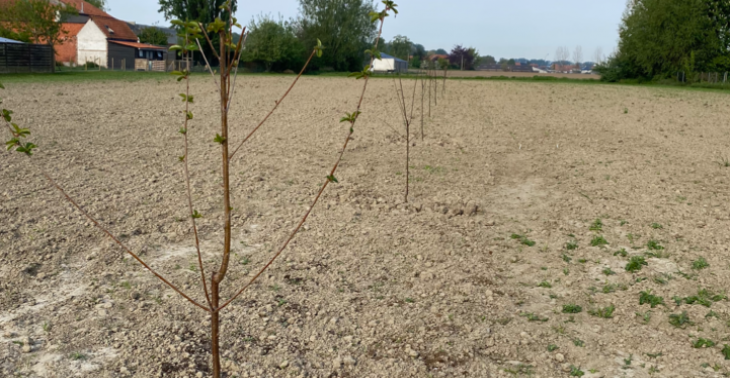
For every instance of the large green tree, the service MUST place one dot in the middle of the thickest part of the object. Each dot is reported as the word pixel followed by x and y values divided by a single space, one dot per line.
pixel 34 21
pixel 274 45
pixel 344 28
pixel 660 37
pixel 153 36
pixel 205 11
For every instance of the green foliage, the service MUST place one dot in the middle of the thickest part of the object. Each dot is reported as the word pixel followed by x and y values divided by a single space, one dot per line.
pixel 679 320
pixel 153 36
pixel 17 133
pixel 343 26
pixel 101 4
pixel 726 352
pixel 700 264
pixel 703 343
pixel 571 309
pixel 552 348
pixel 332 179
pixel 660 37
pixel 654 245
pixel 275 45
pixel 606 312
pixel 704 297
pixel 646 297
pixel 545 284
pixel 576 371
pixel 597 225
pixel 196 214
pixel 35 21
pixel 523 239
pixel 599 241
pixel 635 263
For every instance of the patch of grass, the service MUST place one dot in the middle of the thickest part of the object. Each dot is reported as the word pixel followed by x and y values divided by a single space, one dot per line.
pixel 599 241
pixel 607 271
pixel 645 317
pixel 704 297
pixel 576 372
pixel 628 361
pixel 545 284
pixel 520 370
pixel 77 356
pixel 552 348
pixel 726 352
pixel 47 327
pixel 606 312
pixel 657 226
pixel 523 240
pixel 703 343
pixel 567 258
pixel 680 320
pixel 657 254
pixel 724 162
pixel 566 271
pixel 579 343
pixel 611 288
pixel 646 297
pixel 700 264
pixel 635 264
pixel 597 225
pixel 571 309
pixel 621 253
pixel 712 314
pixel 654 245
pixel 571 245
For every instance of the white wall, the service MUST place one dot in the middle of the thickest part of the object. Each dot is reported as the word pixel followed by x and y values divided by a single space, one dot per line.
pixel 92 45
pixel 383 65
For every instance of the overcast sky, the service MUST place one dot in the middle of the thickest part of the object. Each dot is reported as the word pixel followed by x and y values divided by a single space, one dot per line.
pixel 502 28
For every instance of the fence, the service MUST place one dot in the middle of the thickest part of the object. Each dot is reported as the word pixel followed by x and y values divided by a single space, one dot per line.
pixel 23 57
pixel 703 77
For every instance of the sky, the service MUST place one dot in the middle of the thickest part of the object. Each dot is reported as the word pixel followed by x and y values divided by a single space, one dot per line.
pixel 532 29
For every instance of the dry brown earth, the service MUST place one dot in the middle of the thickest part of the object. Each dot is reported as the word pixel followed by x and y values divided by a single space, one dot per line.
pixel 371 288
pixel 519 74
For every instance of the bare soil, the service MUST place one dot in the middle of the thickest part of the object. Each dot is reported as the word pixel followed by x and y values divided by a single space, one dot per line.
pixel 471 278
pixel 519 74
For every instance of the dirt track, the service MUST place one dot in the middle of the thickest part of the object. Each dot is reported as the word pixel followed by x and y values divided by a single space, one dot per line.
pixel 372 288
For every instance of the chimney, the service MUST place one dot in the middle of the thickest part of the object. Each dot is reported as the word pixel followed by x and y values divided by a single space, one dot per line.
pixel 82 6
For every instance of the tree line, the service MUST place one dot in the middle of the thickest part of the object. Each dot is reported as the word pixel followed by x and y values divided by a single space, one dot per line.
pixel 659 38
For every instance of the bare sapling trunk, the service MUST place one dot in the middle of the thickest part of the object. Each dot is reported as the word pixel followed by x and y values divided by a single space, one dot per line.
pixel 423 87
pixel 407 120
pixel 443 90
pixel 228 54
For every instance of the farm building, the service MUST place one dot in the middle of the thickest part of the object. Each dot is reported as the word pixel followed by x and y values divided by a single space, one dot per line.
pixel 17 56
pixel 136 56
pixel 389 63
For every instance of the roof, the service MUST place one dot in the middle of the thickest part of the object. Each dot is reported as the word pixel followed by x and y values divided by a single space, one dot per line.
pixel 5 40
pixel 137 45
pixel 110 26
pixel 386 56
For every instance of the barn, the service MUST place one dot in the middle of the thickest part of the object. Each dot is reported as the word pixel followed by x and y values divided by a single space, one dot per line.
pixel 389 63
pixel 127 55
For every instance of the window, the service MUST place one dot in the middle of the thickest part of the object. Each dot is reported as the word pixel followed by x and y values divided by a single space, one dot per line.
pixel 141 54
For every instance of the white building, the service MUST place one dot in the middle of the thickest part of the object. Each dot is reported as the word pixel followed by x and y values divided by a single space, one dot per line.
pixel 389 63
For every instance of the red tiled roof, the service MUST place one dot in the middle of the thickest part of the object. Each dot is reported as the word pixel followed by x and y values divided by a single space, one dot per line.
pixel 66 52
pixel 138 45
pixel 113 28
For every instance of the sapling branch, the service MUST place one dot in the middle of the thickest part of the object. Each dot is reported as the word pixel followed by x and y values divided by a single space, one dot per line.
pixel 193 213
pixel 207 65
pixel 352 119
pixel 126 249
pixel 275 106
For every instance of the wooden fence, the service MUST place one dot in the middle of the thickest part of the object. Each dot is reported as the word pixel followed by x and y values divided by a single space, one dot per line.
pixel 24 57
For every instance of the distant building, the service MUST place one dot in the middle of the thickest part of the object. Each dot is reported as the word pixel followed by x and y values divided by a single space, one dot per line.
pixel 389 63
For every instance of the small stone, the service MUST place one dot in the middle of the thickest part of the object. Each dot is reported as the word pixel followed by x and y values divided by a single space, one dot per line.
pixel 41 276
pixel 26 348
pixel 336 363
pixel 559 357
pixel 472 210
pixel 102 312
pixel 349 361
pixel 135 295
pixel 284 365
pixel 199 374
pixel 412 353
